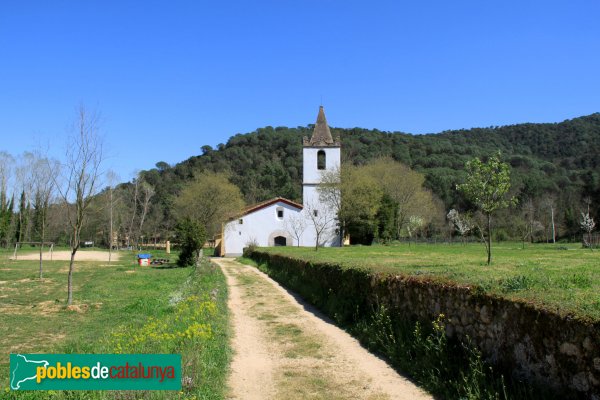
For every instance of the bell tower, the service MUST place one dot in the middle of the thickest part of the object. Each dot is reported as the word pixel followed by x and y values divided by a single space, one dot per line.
pixel 320 153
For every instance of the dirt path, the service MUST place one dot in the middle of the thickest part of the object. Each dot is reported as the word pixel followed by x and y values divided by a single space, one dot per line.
pixel 284 351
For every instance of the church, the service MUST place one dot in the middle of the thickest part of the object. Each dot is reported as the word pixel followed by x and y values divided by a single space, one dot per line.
pixel 283 222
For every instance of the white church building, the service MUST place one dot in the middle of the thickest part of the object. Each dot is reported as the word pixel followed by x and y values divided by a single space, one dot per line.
pixel 282 222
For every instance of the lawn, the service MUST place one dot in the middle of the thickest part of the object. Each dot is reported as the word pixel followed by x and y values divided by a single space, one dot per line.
pixel 561 277
pixel 118 308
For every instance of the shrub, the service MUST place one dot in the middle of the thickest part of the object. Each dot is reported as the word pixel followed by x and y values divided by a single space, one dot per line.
pixel 191 236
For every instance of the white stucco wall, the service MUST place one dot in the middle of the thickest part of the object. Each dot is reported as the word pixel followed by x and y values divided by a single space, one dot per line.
pixel 310 195
pixel 311 175
pixel 329 237
pixel 259 227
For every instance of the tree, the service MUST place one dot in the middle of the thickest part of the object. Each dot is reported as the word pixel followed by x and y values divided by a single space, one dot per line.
pixel 549 202
pixel 23 221
pixel 209 200
pixel 358 193
pixel 405 188
pixel 462 224
pixel 588 224
pixel 6 204
pixel 295 225
pixel 24 179
pixel 385 229
pixel 43 173
pixel 527 225
pixel 486 187
pixel 321 220
pixel 81 175
pixel 353 195
pixel 191 235
pixel 147 193
pixel 111 178
pixel 414 224
pixel 134 207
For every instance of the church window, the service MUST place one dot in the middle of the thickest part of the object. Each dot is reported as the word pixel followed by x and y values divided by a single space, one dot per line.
pixel 241 221
pixel 316 213
pixel 279 212
pixel 321 162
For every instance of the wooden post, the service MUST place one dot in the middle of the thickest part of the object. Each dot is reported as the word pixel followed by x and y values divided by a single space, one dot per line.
pixel 168 247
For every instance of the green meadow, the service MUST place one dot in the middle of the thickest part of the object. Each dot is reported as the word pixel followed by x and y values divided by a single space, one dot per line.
pixel 561 277
pixel 118 308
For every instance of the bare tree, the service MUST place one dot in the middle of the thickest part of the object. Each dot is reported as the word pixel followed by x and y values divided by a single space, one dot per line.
pixel 295 226
pixel 147 193
pixel 6 206
pixel 530 225
pixel 111 178
pixel 321 220
pixel 24 181
pixel 7 162
pixel 43 172
pixel 549 202
pixel 133 210
pixel 81 175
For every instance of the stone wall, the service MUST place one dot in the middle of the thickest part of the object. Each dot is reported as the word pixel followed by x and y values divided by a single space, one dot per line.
pixel 533 343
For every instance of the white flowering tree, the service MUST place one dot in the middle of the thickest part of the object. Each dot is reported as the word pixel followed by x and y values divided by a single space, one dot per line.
pixel 587 224
pixel 462 224
pixel 415 223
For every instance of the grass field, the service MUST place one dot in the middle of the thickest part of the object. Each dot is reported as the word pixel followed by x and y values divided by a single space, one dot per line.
pixel 118 308
pixel 565 278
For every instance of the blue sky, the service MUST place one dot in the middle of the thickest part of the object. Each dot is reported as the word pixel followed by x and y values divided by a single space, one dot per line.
pixel 170 77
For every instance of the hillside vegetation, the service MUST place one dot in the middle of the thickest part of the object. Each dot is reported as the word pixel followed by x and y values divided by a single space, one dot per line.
pixel 557 160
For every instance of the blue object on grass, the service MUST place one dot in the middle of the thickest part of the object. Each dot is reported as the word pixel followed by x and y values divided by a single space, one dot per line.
pixel 144 255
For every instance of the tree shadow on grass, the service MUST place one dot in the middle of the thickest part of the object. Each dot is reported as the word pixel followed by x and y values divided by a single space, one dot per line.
pixel 167 266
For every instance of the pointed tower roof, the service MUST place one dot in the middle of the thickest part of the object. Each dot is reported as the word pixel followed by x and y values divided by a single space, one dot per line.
pixel 321 135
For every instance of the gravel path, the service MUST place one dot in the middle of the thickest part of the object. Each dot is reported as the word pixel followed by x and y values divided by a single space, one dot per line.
pixel 284 349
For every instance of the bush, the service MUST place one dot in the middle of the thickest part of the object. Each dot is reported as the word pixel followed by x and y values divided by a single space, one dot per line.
pixel 192 236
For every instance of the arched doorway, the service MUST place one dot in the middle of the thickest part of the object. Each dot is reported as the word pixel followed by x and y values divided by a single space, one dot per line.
pixel 280 238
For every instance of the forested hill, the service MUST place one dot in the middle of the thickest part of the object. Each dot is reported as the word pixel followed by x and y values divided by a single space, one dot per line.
pixel 546 158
